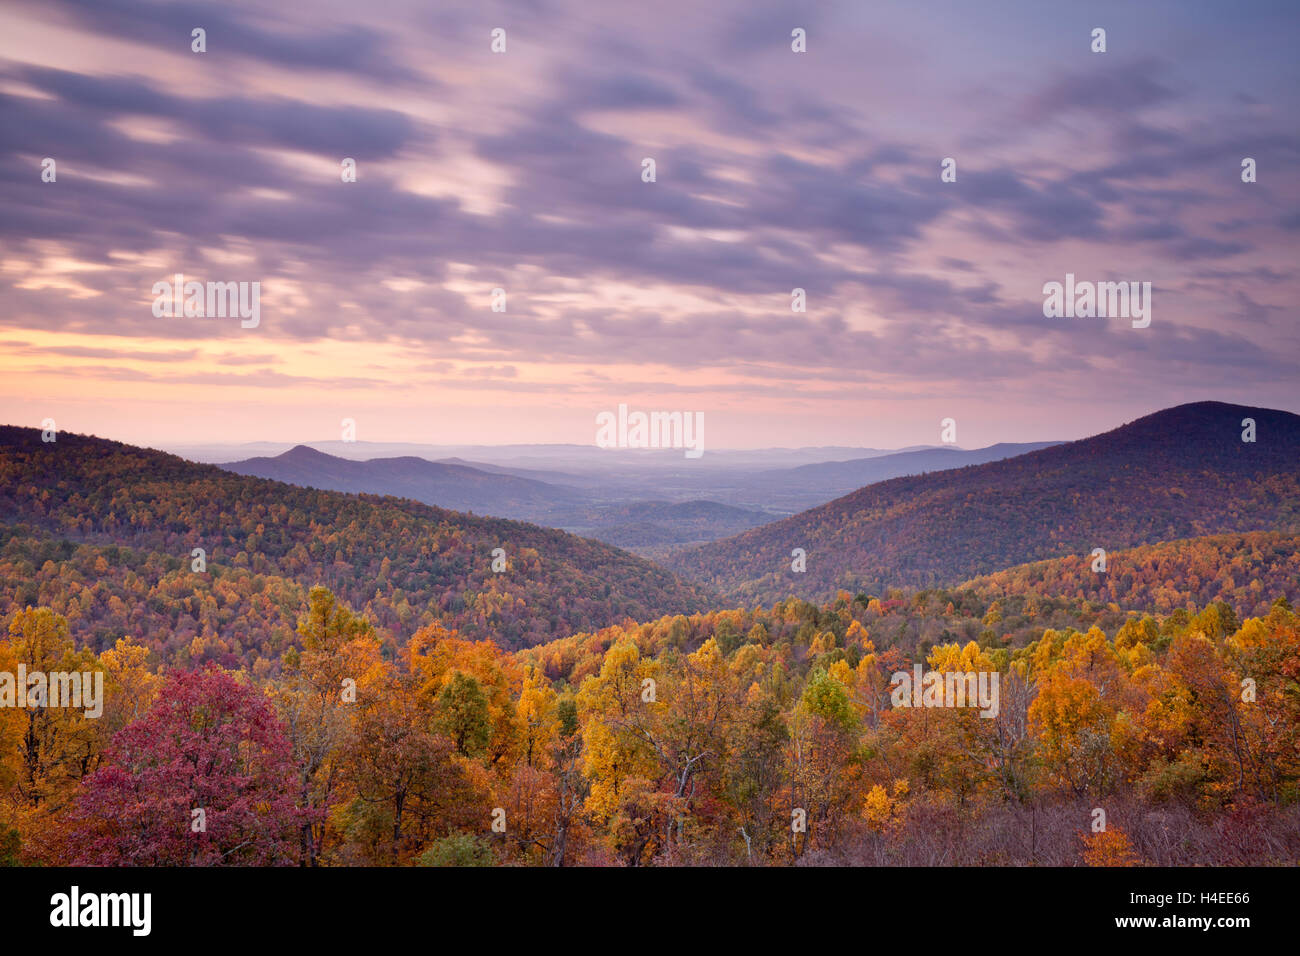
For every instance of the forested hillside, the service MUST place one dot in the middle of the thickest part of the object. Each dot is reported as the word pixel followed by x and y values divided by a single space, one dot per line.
pixel 1180 473
pixel 406 563
pixel 1246 571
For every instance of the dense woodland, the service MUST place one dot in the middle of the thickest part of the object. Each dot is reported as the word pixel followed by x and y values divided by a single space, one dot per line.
pixel 408 565
pixel 1246 571
pixel 238 619
pixel 1180 473
pixel 753 714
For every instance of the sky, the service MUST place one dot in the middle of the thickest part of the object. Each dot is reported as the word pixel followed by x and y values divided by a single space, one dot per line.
pixel 522 171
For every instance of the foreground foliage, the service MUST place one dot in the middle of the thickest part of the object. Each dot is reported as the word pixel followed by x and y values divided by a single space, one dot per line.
pixel 686 740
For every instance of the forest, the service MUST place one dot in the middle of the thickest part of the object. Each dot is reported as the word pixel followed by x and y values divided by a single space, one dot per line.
pixel 408 564
pixel 1247 571
pixel 344 680
pixel 694 740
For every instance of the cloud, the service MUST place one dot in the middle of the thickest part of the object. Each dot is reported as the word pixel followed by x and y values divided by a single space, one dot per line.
pixel 775 170
pixel 78 351
pixel 234 33
pixel 1110 89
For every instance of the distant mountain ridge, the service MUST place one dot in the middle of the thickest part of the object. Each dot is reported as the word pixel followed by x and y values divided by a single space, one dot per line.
pixel 1179 473
pixel 522 456
pixel 455 486
pixel 834 478
pixel 613 507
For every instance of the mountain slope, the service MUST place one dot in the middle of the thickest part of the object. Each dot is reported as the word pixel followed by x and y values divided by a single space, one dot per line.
pixel 830 479
pixel 1247 570
pixel 1183 472
pixel 409 562
pixel 451 485
pixel 485 489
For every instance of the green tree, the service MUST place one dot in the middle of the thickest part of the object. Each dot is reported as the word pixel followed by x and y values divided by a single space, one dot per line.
pixel 463 714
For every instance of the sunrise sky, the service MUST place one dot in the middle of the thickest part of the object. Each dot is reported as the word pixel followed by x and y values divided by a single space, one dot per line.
pixel 522 170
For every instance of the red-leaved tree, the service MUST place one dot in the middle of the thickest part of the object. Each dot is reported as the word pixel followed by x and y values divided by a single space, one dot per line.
pixel 209 744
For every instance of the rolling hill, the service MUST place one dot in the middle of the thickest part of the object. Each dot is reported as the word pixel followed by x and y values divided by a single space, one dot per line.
pixel 633 503
pixel 1179 473
pixel 487 489
pixel 1247 571
pixel 405 562
pixel 451 485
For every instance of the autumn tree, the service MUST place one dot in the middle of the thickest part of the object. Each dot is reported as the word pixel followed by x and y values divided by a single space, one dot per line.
pixel 407 787
pixel 821 758
pixel 46 750
pixel 317 700
pixel 204 778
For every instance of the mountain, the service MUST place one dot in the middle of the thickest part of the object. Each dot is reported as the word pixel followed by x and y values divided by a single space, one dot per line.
pixel 556 458
pixel 812 484
pixel 403 562
pixel 451 485
pixel 619 497
pixel 1179 473
pixel 563 478
pixel 458 485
